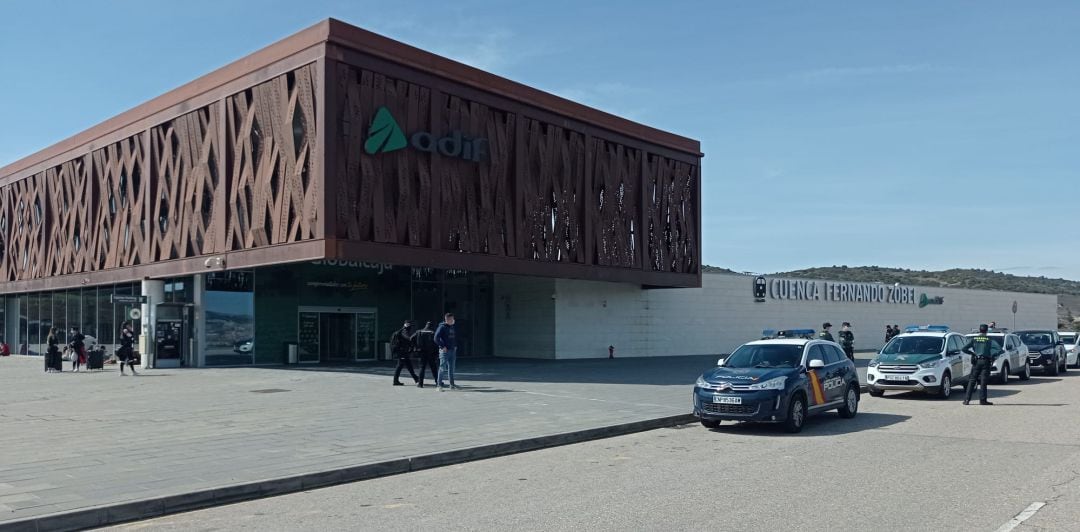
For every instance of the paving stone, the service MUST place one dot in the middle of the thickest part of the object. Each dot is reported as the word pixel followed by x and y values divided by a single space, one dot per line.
pixel 93 439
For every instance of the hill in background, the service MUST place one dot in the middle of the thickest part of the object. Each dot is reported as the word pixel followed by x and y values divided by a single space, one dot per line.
pixel 1068 292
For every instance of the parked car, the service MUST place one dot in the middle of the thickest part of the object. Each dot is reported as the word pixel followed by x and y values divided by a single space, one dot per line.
pixel 778 381
pixel 244 346
pixel 1013 359
pixel 925 359
pixel 1045 350
pixel 1072 350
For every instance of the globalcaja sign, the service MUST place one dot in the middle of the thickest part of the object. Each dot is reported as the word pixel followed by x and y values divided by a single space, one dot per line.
pixel 810 290
pixel 385 135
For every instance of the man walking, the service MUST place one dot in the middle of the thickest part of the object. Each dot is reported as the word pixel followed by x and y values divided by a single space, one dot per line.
pixel 983 350
pixel 446 339
pixel 847 340
pixel 429 352
pixel 401 345
pixel 825 334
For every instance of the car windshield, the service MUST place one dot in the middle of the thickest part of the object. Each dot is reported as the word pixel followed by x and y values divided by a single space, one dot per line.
pixel 1068 339
pixel 914 345
pixel 765 356
pixel 1036 338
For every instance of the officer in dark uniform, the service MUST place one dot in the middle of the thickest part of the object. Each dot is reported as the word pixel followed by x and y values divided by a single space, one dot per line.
pixel 982 349
pixel 847 340
pixel 401 345
pixel 825 334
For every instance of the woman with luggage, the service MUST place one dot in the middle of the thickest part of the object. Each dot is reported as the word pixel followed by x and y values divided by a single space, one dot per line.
pixel 52 353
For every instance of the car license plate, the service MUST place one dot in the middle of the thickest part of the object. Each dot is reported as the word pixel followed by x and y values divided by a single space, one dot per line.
pixel 896 378
pixel 727 400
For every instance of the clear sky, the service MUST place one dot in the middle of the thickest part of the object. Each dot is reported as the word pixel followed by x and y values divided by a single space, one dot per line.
pixel 917 134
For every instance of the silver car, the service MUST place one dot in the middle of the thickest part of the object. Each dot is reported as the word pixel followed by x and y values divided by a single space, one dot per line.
pixel 1013 359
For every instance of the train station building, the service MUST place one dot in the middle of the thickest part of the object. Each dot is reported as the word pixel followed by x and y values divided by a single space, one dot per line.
pixel 323 189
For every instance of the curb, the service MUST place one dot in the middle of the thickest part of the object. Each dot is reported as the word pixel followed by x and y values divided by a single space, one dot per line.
pixel 170 504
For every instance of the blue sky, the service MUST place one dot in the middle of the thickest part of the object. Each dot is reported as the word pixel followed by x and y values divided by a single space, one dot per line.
pixel 919 134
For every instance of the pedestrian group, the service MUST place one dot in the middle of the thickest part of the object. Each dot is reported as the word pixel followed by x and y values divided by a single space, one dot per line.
pixel 430 345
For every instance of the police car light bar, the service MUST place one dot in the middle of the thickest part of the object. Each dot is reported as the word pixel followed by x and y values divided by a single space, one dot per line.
pixel 798 332
pixel 927 328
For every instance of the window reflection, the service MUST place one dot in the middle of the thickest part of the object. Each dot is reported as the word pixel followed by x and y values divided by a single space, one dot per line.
pixel 230 318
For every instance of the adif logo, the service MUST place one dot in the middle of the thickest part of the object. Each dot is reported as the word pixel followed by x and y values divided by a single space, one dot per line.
pixel 385 135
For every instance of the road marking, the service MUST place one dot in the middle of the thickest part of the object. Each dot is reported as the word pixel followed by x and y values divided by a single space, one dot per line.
pixel 1028 513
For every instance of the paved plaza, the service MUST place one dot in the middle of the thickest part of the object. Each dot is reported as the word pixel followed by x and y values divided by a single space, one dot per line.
pixel 72 441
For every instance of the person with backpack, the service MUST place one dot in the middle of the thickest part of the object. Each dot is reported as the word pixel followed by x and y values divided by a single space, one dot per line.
pixel 401 345
pixel 126 353
pixel 428 351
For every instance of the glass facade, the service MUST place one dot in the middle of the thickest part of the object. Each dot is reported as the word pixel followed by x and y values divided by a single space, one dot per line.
pixel 89 309
pixel 337 311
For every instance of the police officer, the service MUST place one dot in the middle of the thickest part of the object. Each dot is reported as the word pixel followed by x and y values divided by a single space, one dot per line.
pixel 401 345
pixel 825 334
pixel 982 349
pixel 847 340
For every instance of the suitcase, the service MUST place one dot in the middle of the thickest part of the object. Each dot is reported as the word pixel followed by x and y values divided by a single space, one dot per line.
pixel 96 360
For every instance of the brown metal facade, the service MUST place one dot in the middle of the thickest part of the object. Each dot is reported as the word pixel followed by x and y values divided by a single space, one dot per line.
pixel 263 162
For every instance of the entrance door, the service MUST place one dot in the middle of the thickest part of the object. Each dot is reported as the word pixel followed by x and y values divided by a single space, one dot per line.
pixel 338 337
pixel 337 334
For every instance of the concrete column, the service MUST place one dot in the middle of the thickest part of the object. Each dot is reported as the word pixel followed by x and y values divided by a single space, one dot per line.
pixel 154 291
pixel 200 320
pixel 12 333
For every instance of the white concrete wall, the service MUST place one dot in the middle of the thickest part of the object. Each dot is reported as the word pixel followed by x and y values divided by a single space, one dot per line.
pixel 524 317
pixel 721 315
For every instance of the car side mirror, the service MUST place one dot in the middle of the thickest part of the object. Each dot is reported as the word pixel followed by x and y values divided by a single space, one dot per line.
pixel 817 363
pixel 723 359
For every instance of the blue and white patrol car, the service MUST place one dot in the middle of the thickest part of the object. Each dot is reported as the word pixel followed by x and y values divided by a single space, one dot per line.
pixel 922 359
pixel 778 381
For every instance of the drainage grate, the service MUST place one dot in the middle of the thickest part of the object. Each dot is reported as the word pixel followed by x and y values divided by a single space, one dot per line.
pixel 270 390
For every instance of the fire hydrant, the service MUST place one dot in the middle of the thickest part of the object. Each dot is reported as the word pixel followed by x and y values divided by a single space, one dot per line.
pixel 611 351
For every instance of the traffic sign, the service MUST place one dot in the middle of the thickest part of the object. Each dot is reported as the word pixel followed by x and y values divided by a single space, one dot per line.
pixel 119 299
pixel 135 314
pixel 1014 307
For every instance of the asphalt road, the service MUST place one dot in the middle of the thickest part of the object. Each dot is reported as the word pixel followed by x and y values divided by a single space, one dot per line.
pixel 904 463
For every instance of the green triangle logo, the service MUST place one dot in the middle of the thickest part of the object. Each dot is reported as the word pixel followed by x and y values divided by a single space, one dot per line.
pixel 384 135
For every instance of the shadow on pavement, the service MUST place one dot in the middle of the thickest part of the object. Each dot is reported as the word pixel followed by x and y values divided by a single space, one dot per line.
pixel 661 371
pixel 957 395
pixel 825 424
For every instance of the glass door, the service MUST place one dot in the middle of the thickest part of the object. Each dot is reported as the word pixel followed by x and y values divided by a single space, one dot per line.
pixel 338 336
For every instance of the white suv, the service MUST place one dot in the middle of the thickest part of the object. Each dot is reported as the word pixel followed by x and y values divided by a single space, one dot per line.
pixel 928 359
pixel 1071 348
pixel 1013 358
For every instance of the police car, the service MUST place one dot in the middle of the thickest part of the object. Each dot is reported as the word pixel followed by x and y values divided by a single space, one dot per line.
pixel 778 381
pixel 1013 359
pixel 922 359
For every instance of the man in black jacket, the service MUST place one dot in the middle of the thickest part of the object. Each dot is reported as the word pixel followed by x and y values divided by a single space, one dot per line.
pixel 401 345
pixel 429 352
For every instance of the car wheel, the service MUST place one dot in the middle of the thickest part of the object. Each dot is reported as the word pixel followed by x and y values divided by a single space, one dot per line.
pixel 1064 365
pixel 710 424
pixel 874 392
pixel 1003 378
pixel 1076 363
pixel 1026 375
pixel 1056 368
pixel 946 386
pixel 796 415
pixel 851 403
